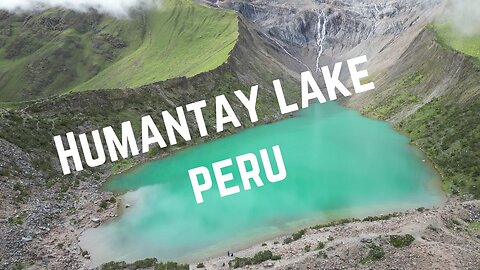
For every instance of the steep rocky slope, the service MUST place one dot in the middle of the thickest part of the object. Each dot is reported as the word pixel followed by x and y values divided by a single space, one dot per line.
pixel 433 95
pixel 428 89
pixel 316 33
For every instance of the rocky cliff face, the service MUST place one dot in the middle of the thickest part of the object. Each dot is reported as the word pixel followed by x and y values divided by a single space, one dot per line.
pixel 315 33
pixel 427 90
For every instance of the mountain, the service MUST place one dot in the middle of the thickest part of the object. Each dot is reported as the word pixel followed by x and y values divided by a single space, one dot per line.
pixel 29 169
pixel 425 70
pixel 426 76
pixel 433 96
pixel 58 51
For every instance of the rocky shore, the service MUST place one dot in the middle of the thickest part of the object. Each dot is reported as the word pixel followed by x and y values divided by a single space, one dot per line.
pixel 443 238
pixel 40 230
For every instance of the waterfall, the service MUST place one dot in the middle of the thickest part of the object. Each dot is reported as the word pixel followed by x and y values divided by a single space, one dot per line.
pixel 377 20
pixel 255 13
pixel 321 34
pixel 377 11
pixel 285 50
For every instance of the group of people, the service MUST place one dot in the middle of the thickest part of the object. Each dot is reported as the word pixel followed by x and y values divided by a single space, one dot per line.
pixel 229 254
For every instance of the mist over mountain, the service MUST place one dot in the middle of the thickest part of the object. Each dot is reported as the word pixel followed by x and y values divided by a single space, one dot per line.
pixel 465 15
pixel 117 8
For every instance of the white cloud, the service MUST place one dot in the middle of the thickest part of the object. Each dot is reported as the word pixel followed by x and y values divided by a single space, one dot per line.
pixel 465 16
pixel 117 8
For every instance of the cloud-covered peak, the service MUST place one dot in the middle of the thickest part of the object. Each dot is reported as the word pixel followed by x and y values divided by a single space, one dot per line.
pixel 117 8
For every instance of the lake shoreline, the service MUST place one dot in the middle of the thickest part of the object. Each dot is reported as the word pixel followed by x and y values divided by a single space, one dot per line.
pixel 329 114
pixel 347 244
pixel 323 219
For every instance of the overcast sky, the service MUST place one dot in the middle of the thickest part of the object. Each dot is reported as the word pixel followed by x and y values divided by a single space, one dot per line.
pixel 118 8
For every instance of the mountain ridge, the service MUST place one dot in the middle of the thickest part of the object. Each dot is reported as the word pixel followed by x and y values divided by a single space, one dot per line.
pixel 426 90
pixel 58 51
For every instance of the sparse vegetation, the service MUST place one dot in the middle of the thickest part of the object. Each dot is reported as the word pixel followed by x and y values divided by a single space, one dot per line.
pixel 320 245
pixel 294 237
pixel 381 217
pixel 104 203
pixel 375 253
pixel 400 241
pixel 421 209
pixel 335 223
pixel 387 108
pixel 258 258
pixel 287 240
pixel 122 165
pixel 298 235
pixel 17 219
pixel 21 192
pixel 4 172
pixel 18 266
pixel 412 80
pixel 144 264
pixel 475 225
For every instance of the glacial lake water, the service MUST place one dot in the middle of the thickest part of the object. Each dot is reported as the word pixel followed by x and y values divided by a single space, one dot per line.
pixel 339 164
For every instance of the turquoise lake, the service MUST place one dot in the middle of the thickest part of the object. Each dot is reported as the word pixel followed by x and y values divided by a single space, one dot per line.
pixel 339 164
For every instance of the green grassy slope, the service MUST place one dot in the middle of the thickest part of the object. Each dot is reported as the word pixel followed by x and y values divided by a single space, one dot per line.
pixel 447 131
pixel 57 51
pixel 445 87
pixel 450 136
pixel 454 39
pixel 182 39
